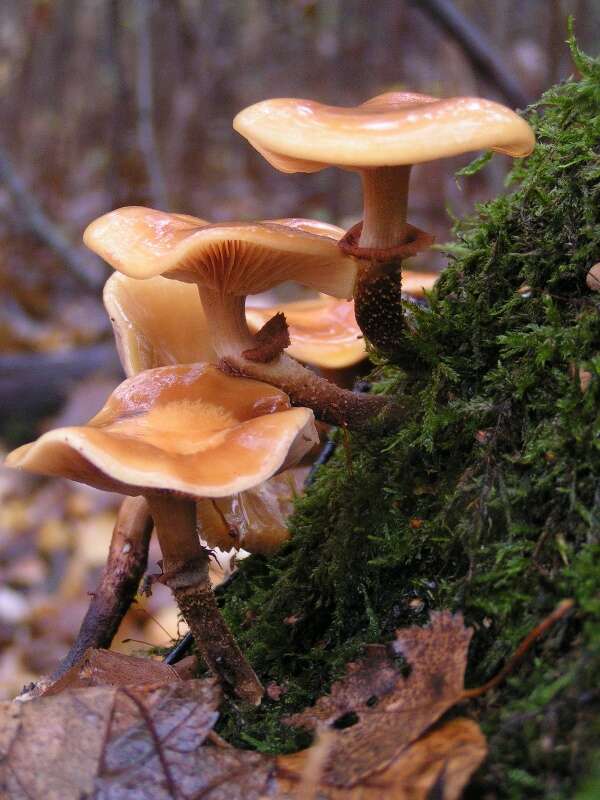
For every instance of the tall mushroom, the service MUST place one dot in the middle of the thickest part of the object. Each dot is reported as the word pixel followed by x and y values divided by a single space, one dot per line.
pixel 380 139
pixel 174 434
pixel 229 261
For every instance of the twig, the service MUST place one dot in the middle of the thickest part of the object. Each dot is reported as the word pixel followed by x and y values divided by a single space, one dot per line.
pixel 127 559
pixel 144 92
pixel 559 612
pixel 477 47
pixel 85 269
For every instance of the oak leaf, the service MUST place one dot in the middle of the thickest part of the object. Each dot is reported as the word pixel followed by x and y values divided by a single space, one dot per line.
pixel 390 711
pixel 438 765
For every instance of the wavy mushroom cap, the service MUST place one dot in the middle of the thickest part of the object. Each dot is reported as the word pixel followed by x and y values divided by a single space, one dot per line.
pixel 392 129
pixel 156 323
pixel 236 258
pixel 185 429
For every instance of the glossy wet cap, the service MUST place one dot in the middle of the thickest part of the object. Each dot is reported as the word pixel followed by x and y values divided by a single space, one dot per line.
pixel 185 429
pixel 323 332
pixel 156 322
pixel 392 129
pixel 236 258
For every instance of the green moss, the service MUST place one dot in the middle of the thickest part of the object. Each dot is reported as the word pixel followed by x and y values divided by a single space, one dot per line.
pixel 487 498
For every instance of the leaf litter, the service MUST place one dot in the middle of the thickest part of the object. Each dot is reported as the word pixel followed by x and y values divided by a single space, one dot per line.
pixel 103 734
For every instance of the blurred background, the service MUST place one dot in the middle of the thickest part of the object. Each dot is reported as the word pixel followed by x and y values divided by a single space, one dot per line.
pixel 115 102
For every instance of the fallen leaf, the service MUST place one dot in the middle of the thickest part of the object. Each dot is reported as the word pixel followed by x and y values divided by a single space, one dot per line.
pixel 155 741
pixel 124 743
pixel 107 668
pixel 391 711
pixel 438 765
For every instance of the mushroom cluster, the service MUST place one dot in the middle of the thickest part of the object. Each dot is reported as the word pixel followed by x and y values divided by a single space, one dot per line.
pixel 220 399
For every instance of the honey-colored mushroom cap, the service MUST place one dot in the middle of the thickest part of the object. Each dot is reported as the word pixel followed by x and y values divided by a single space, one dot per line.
pixel 156 322
pixel 323 331
pixel 237 258
pixel 392 129
pixel 185 429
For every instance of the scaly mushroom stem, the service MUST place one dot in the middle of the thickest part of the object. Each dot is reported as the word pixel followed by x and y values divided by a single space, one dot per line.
pixel 231 337
pixel 385 198
pixel 384 233
pixel 185 567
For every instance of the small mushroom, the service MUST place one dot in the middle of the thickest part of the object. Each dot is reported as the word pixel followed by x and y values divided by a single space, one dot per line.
pixel 592 279
pixel 174 435
pixel 228 262
pixel 323 331
pixel 156 323
pixel 381 139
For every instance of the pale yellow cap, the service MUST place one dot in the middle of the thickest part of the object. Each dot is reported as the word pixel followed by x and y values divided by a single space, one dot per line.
pixel 392 129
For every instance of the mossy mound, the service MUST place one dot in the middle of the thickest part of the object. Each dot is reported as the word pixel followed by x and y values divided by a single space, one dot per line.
pixel 487 499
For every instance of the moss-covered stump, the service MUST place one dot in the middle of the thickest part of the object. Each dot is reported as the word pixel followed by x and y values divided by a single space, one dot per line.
pixel 487 498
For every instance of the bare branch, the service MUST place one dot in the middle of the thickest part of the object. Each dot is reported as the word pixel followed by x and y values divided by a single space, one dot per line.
pixel 144 91
pixel 127 559
pixel 477 47
pixel 85 269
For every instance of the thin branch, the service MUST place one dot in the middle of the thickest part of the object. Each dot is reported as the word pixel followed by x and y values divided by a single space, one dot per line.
pixel 127 559
pixel 86 270
pixel 480 51
pixel 144 92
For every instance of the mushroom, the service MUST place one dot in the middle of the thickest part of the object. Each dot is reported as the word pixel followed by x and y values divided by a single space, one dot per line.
pixel 173 435
pixel 323 331
pixel 160 322
pixel 229 261
pixel 380 139
pixel 156 322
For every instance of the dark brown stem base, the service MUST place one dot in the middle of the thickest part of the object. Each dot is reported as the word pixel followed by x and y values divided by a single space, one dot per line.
pixel 126 564
pixel 378 289
pixel 185 572
pixel 195 598
pixel 378 304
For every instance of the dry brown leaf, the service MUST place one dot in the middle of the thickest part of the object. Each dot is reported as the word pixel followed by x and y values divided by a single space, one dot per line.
pixel 392 711
pixel 107 668
pixel 124 743
pixel 129 741
pixel 438 765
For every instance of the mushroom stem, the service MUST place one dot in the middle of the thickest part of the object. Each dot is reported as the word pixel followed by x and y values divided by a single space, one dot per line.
pixel 385 198
pixel 226 318
pixel 185 567
pixel 384 235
